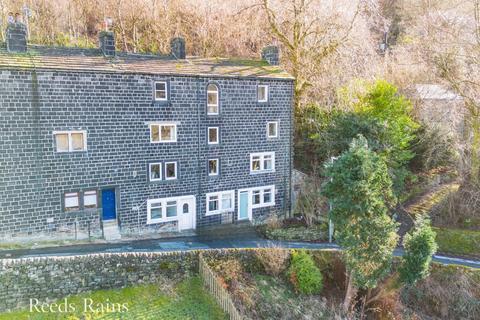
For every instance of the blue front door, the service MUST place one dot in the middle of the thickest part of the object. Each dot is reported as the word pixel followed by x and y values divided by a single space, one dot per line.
pixel 108 204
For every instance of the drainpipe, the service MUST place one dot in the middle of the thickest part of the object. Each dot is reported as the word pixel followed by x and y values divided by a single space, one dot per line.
pixel 199 176
pixel 290 154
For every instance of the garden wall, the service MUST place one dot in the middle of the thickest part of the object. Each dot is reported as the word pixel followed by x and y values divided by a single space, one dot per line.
pixel 50 278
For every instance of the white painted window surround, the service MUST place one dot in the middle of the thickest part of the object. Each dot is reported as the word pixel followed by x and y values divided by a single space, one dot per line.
pixel 171 170
pixel 262 93
pixel 262 162
pixel 266 196
pixel 220 202
pixel 272 129
pixel 161 91
pixel 213 135
pixel 155 171
pixel 212 99
pixel 70 141
pixel 163 132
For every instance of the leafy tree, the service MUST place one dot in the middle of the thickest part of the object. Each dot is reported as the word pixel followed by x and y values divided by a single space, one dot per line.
pixel 360 191
pixel 419 246
pixel 383 103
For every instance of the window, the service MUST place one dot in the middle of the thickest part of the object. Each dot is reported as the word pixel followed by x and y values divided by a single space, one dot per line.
pixel 262 162
pixel 262 92
pixel 170 170
pixel 256 197
pixel 166 209
pixel 213 204
pixel 212 135
pixel 155 171
pixel 272 129
pixel 156 211
pixel 263 197
pixel 171 209
pixel 70 141
pixel 212 99
pixel 267 195
pixel 213 167
pixel 161 91
pixel 163 132
pixel 71 201
pixel 219 202
pixel 90 199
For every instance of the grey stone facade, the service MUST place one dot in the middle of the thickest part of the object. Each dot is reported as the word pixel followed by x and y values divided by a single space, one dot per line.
pixel 114 109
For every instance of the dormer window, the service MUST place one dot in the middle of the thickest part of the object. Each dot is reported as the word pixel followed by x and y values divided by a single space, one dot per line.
pixel 161 93
pixel 262 93
pixel 212 99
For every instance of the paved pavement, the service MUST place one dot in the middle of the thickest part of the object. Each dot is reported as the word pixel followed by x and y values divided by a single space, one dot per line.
pixel 194 243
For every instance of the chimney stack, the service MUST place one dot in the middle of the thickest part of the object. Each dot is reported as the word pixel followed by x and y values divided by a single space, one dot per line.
pixel 107 43
pixel 271 55
pixel 16 37
pixel 177 48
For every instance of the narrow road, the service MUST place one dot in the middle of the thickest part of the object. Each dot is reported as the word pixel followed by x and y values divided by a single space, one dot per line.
pixel 194 243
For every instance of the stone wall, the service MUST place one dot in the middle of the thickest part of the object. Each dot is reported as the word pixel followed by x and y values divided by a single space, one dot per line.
pixel 51 278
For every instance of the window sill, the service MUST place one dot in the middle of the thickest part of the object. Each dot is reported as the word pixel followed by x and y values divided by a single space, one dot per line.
pixel 262 171
pixel 263 205
pixel 214 213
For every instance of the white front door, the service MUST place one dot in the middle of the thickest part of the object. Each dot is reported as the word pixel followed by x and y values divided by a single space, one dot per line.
pixel 187 216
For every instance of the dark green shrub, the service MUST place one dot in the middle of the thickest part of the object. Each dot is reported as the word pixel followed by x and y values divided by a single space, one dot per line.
pixel 420 246
pixel 304 274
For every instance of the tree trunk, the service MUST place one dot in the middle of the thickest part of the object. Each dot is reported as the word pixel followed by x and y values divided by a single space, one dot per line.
pixel 349 294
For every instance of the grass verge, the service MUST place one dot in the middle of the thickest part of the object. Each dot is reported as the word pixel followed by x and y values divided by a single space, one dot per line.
pixel 188 300
pixel 457 241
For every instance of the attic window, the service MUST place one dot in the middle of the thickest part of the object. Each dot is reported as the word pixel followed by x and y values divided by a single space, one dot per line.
pixel 161 91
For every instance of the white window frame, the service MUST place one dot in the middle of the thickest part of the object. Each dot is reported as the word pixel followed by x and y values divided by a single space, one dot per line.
pixel 160 125
pixel 69 195
pixel 217 104
pixel 91 194
pixel 218 167
pixel 150 171
pixel 176 170
pixel 262 155
pixel 70 144
pixel 220 208
pixel 218 135
pixel 263 204
pixel 276 129
pixel 164 217
pixel 155 91
pixel 266 92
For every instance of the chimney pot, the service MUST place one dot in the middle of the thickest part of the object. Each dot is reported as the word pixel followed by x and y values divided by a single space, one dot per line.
pixel 177 48
pixel 107 43
pixel 16 36
pixel 271 55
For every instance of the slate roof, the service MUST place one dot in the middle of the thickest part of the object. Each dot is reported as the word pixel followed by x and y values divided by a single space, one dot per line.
pixel 59 58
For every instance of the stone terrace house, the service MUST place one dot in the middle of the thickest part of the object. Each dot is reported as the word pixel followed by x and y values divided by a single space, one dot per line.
pixel 106 143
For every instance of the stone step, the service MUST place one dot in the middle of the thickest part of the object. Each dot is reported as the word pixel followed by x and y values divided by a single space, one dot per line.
pixel 111 230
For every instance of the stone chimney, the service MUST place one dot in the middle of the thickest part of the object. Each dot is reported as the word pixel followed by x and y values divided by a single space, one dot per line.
pixel 271 55
pixel 177 48
pixel 107 43
pixel 16 37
